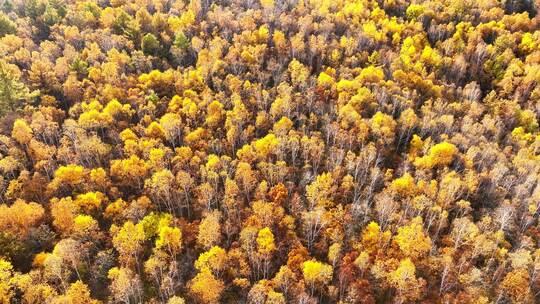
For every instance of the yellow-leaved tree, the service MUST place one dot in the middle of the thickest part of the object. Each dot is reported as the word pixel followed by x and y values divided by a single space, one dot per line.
pixel 317 274
pixel 404 280
pixel 206 288
pixel 209 230
pixel 412 241
pixel 441 154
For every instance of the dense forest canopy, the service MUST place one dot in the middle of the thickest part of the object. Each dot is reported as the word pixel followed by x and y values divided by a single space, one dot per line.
pixel 269 152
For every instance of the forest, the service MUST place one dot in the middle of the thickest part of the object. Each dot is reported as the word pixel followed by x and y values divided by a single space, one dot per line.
pixel 269 151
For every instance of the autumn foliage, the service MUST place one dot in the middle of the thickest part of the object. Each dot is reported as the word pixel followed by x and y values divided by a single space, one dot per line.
pixel 269 152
